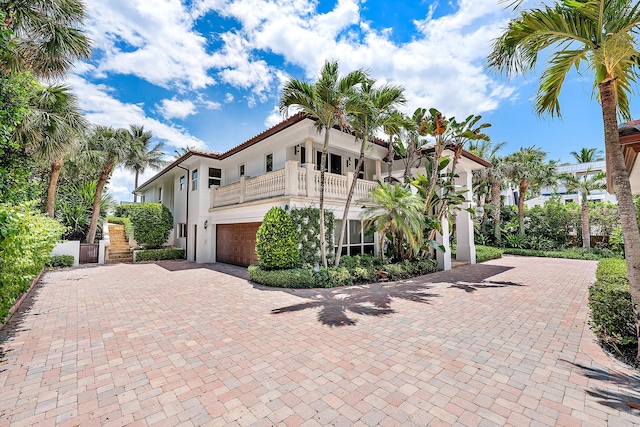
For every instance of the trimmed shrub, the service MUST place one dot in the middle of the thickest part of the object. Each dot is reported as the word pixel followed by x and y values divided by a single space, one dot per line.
pixel 159 254
pixel 572 253
pixel 612 318
pixel 128 227
pixel 307 225
pixel 486 253
pixel 124 211
pixel 60 261
pixel 27 238
pixel 152 223
pixel 277 241
pixel 290 278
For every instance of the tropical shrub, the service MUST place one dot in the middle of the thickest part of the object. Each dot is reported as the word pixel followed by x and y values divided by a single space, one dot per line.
pixel 152 223
pixel 124 211
pixel 74 207
pixel 616 240
pixel 159 254
pixel 486 253
pixel 571 253
pixel 277 241
pixel 60 261
pixel 612 318
pixel 306 222
pixel 26 240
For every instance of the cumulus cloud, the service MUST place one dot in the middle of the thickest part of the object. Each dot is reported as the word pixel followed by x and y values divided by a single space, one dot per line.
pixel 176 109
pixel 101 107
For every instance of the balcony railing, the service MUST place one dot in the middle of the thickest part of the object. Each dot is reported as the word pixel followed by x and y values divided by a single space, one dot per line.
pixel 293 180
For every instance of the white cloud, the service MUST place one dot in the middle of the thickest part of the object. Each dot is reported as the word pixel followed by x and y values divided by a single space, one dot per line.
pixel 175 109
pixel 101 107
pixel 228 98
pixel 273 118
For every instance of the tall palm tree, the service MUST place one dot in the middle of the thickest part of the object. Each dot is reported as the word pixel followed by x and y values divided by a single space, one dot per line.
pixel 588 155
pixel 601 33
pixel 46 36
pixel 325 102
pixel 585 184
pixel 52 131
pixel 143 155
pixel 527 169
pixel 494 177
pixel 371 109
pixel 396 211
pixel 394 124
pixel 107 148
pixel 411 141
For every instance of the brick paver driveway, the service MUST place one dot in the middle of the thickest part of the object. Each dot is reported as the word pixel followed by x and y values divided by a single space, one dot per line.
pixel 502 342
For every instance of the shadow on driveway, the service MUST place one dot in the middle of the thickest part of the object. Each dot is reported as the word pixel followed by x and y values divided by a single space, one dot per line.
pixel 375 299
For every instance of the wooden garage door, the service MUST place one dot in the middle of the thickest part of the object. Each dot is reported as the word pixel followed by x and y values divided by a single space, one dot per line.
pixel 236 243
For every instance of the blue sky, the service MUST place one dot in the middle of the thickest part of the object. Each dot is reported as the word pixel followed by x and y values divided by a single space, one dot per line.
pixel 208 73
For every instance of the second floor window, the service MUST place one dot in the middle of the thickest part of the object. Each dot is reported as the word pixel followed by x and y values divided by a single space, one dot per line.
pixel 194 180
pixel 269 162
pixel 215 176
pixel 183 181
pixel 160 195
pixel 241 170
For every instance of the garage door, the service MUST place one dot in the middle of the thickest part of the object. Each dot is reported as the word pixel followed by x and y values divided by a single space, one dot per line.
pixel 236 243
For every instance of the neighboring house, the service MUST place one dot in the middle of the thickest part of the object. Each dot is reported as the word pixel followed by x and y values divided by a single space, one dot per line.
pixel 560 190
pixel 630 141
pixel 218 200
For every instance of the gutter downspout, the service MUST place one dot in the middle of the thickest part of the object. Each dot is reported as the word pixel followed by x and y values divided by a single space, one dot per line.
pixel 186 236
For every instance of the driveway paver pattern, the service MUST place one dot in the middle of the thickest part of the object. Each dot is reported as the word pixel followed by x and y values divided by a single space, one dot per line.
pixel 498 343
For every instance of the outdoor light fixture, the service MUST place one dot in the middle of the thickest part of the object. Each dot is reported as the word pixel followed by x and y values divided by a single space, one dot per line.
pixel 349 162
pixel 206 223
pixel 296 149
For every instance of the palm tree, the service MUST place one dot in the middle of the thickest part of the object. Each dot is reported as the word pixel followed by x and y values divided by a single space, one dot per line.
pixel 527 169
pixel 396 211
pixel 601 33
pixel 585 184
pixel 588 155
pixel 394 124
pixel 325 102
pixel 143 155
pixel 51 132
pixel 371 108
pixel 411 141
pixel 46 36
pixel 107 148
pixel 494 177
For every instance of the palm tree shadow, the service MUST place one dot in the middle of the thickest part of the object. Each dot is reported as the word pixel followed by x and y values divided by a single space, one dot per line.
pixel 335 304
pixel 614 397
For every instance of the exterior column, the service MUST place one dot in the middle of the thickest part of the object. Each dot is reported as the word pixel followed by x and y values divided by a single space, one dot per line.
pixel 308 147
pixel 465 246
pixel 311 180
pixel 444 258
pixel 291 178
pixel 242 188
pixel 379 169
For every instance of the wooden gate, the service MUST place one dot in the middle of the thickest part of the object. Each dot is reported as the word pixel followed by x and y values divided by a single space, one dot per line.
pixel 89 253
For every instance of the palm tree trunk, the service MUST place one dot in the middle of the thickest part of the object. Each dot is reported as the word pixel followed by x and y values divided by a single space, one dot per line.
pixel 97 199
pixel 522 190
pixel 586 233
pixel 495 201
pixel 383 236
pixel 323 164
pixel 135 195
pixel 347 205
pixel 390 155
pixel 620 177
pixel 56 167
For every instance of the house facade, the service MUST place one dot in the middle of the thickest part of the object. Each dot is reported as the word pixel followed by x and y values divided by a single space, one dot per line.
pixel 218 200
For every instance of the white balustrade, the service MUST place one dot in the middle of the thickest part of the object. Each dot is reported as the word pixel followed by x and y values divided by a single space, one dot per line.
pixel 293 181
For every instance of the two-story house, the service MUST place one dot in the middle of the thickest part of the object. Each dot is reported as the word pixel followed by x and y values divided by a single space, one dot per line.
pixel 218 199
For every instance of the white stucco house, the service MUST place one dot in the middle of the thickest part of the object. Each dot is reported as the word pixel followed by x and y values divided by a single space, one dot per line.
pixel 218 199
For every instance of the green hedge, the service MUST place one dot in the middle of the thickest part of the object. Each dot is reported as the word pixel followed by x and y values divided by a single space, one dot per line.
pixel 486 253
pixel 60 261
pixel 356 269
pixel 277 241
pixel 128 226
pixel 612 318
pixel 307 224
pixel 572 253
pixel 27 238
pixel 152 223
pixel 124 211
pixel 159 254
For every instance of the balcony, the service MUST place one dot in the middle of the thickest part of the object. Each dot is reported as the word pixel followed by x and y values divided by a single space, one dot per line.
pixel 293 180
